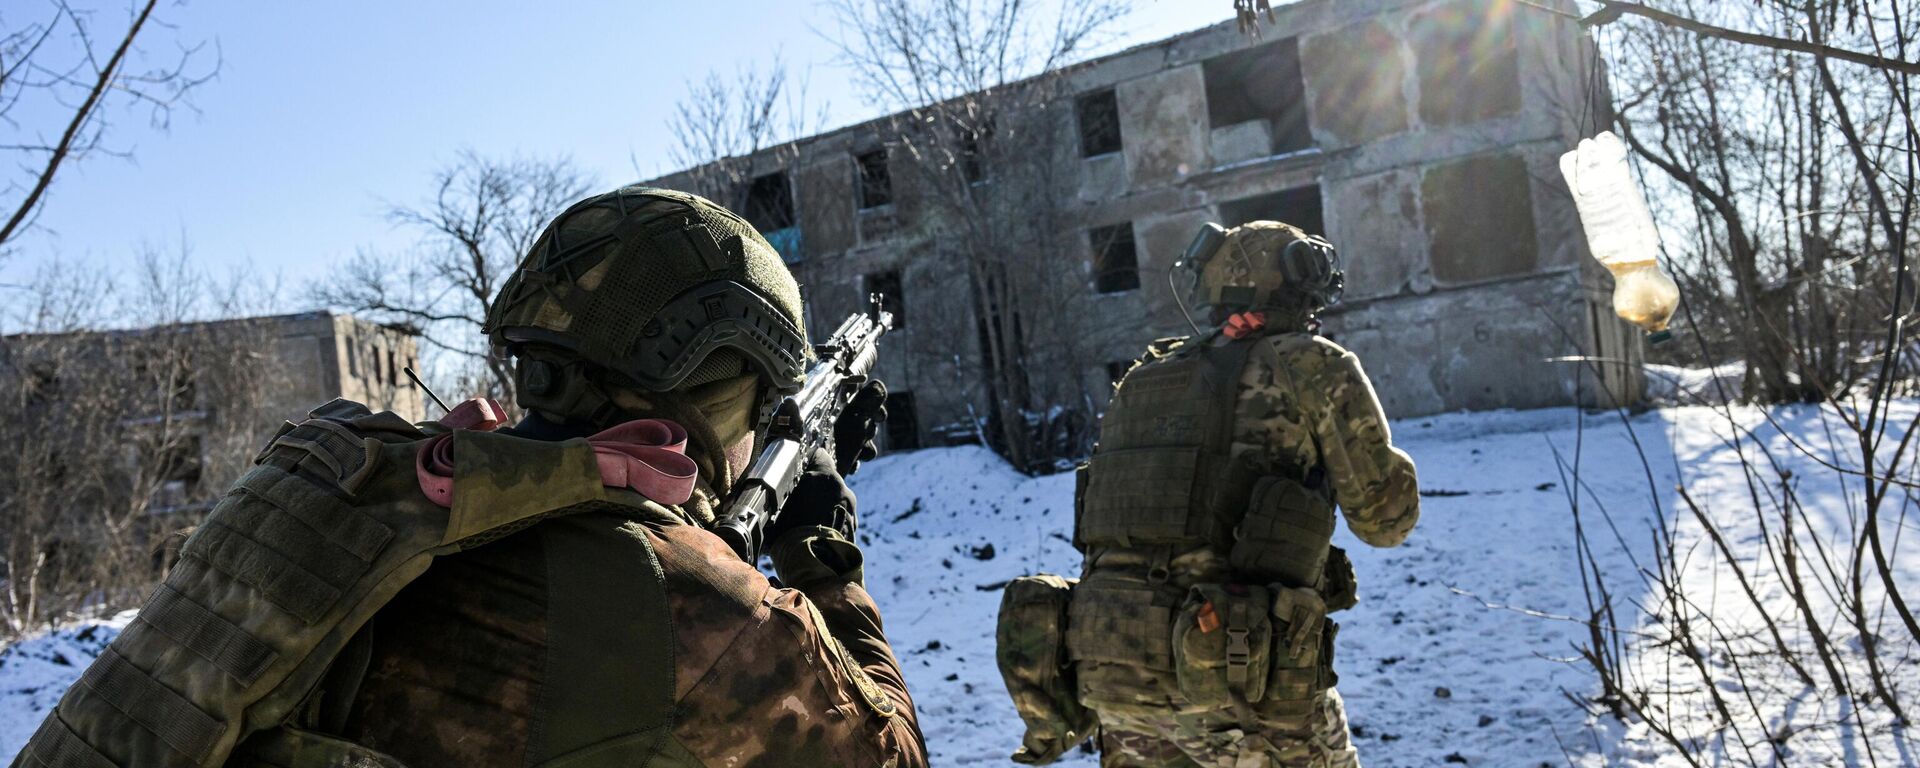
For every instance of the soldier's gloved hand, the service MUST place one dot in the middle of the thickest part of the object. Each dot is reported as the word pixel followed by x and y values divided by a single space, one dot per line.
pixel 859 422
pixel 812 539
pixel 821 498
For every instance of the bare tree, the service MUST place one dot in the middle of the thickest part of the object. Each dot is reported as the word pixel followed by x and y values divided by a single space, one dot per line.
pixel 984 129
pixel 1788 177
pixel 61 83
pixel 128 405
pixel 1791 158
pixel 483 216
pixel 723 126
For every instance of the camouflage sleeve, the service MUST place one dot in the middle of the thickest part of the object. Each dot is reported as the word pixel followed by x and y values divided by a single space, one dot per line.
pixel 1373 481
pixel 827 568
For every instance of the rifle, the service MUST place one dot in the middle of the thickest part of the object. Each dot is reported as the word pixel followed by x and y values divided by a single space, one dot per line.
pixel 801 424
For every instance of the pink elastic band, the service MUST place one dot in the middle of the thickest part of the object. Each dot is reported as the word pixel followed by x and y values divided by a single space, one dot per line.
pixel 647 455
pixel 482 414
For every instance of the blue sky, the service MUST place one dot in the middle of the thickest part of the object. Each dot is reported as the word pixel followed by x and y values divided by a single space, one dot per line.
pixel 322 111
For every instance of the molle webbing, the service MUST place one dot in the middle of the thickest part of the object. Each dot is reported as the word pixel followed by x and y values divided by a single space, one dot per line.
pixel 1285 536
pixel 1161 473
pixel 222 644
pixel 1121 623
pixel 318 536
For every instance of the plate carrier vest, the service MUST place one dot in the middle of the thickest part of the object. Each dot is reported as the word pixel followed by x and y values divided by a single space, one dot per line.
pixel 1163 474
pixel 242 637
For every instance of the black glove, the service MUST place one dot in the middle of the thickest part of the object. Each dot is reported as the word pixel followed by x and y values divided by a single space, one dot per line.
pixel 820 498
pixel 859 422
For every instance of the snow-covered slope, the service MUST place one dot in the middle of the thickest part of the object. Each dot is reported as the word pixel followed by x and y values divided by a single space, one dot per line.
pixel 1427 673
pixel 1462 650
pixel 1453 655
pixel 35 672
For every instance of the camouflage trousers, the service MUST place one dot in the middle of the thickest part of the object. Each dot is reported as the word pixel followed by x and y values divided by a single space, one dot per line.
pixel 1216 738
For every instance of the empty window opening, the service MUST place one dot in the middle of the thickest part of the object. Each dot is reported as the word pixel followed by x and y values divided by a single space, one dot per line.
pixel 1116 267
pixel 887 285
pixel 903 422
pixel 1099 114
pixel 770 202
pixel 1299 206
pixel 972 151
pixel 181 461
pixel 876 184
pixel 1261 83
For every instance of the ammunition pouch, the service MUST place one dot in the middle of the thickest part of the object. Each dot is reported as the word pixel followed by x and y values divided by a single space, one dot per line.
pixel 1119 638
pixel 1302 651
pixel 1140 649
pixel 1223 644
pixel 1284 536
pixel 1031 648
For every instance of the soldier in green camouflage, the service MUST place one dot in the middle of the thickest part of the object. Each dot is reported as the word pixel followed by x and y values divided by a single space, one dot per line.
pixel 577 610
pixel 1198 631
pixel 762 675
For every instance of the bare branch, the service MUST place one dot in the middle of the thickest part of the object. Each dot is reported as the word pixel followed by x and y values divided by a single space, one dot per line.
pixel 1612 10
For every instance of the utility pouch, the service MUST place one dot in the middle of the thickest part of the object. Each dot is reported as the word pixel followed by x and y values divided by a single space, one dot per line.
pixel 1301 650
pixel 1223 644
pixel 1117 637
pixel 1339 588
pixel 1031 647
pixel 1285 534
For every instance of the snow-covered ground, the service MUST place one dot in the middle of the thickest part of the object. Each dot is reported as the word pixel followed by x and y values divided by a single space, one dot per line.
pixel 1453 655
pixel 35 672
pixel 1673 385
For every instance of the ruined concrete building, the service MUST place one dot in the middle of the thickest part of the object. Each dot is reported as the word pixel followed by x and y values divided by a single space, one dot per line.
pixel 1420 136
pixel 346 356
pixel 185 407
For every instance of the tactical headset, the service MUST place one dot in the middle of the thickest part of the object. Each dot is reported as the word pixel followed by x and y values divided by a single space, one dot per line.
pixel 1309 267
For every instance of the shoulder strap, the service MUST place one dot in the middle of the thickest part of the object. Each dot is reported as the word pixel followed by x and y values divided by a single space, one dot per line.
pixel 1226 363
pixel 608 687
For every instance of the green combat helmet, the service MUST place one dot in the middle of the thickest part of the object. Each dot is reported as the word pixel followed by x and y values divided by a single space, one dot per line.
pixel 1259 265
pixel 661 288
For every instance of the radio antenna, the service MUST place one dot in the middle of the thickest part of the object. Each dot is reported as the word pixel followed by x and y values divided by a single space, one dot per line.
pixel 424 388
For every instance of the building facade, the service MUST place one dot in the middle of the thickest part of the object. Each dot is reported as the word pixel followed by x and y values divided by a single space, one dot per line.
pixel 341 355
pixel 183 409
pixel 1420 136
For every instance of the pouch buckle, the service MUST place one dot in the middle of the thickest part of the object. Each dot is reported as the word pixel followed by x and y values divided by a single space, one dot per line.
pixel 1239 657
pixel 1239 651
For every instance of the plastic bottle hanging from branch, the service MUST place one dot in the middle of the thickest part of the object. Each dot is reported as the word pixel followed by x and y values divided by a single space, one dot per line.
pixel 1620 232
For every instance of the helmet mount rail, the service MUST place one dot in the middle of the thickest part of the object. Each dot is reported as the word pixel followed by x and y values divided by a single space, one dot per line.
pixel 694 325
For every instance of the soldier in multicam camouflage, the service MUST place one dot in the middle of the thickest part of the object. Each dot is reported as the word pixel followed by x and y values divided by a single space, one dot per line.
pixel 1198 631
pixel 381 594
